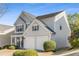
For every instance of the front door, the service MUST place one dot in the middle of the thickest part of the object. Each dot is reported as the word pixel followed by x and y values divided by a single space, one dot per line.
pixel 18 42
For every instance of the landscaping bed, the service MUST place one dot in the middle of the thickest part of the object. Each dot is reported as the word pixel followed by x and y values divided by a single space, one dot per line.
pixel 9 52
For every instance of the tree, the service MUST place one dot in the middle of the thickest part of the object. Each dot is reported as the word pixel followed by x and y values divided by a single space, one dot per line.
pixel 74 24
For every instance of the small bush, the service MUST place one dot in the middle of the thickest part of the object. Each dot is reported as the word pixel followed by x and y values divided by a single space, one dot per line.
pixel 9 47
pixel 30 53
pixel 6 46
pixel 49 45
pixel 25 53
pixel 0 48
pixel 12 47
pixel 18 53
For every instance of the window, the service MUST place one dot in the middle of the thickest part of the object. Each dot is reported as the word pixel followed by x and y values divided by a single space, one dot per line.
pixel 35 28
pixel 60 27
pixel 19 28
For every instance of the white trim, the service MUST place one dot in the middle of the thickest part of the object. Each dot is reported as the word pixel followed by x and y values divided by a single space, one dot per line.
pixel 11 40
pixel 20 42
pixel 20 25
pixel 15 41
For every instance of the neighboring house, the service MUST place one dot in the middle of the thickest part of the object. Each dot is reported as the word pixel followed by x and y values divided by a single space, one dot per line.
pixel 5 34
pixel 31 32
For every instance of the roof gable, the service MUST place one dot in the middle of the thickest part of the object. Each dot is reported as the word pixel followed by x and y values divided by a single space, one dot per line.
pixel 39 23
pixel 23 16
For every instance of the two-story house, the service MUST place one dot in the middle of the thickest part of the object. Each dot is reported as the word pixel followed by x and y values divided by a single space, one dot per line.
pixel 31 32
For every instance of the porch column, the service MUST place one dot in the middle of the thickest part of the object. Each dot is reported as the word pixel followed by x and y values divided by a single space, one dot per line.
pixel 15 40
pixel 11 40
pixel 20 42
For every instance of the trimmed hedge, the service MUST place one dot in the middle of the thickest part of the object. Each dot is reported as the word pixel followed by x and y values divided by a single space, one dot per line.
pixel 25 53
pixel 49 45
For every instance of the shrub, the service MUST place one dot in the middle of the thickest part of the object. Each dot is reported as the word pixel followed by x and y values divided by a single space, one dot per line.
pixel 0 48
pixel 25 53
pixel 12 47
pixel 74 43
pixel 9 47
pixel 30 53
pixel 18 53
pixel 6 46
pixel 49 45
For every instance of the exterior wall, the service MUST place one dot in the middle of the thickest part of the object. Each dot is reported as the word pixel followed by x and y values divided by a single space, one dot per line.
pixel 40 32
pixel 18 22
pixel 26 20
pixel 61 36
pixel 5 39
pixel 36 39
pixel 49 22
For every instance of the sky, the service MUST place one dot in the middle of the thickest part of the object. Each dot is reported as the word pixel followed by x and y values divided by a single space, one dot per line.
pixel 11 12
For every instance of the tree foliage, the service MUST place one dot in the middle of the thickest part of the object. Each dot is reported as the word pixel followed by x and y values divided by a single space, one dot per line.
pixel 74 24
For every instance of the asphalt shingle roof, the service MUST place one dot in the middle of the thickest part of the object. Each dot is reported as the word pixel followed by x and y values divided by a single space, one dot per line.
pixel 4 28
pixel 48 15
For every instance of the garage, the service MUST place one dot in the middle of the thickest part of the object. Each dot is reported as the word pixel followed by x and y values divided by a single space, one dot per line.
pixel 35 42
pixel 29 43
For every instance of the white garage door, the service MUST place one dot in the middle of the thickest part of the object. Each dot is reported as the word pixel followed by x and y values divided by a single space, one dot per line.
pixel 35 42
pixel 40 41
pixel 29 43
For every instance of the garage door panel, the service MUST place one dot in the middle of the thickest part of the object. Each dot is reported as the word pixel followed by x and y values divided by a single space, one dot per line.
pixel 29 43
pixel 40 41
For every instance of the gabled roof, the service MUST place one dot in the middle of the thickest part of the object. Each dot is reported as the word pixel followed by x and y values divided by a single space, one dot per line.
pixel 47 26
pixel 48 15
pixel 28 15
pixel 3 28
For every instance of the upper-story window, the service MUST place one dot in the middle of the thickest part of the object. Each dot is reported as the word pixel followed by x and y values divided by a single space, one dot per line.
pixel 60 27
pixel 35 28
pixel 19 28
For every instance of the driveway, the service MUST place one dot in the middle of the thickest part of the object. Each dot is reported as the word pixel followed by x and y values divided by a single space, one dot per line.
pixel 6 52
pixel 74 52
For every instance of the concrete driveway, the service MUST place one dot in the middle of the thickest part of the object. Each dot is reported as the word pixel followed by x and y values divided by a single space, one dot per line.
pixel 6 52
pixel 74 52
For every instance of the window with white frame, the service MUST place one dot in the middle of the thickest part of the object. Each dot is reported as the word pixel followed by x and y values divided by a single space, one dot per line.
pixel 19 28
pixel 35 28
